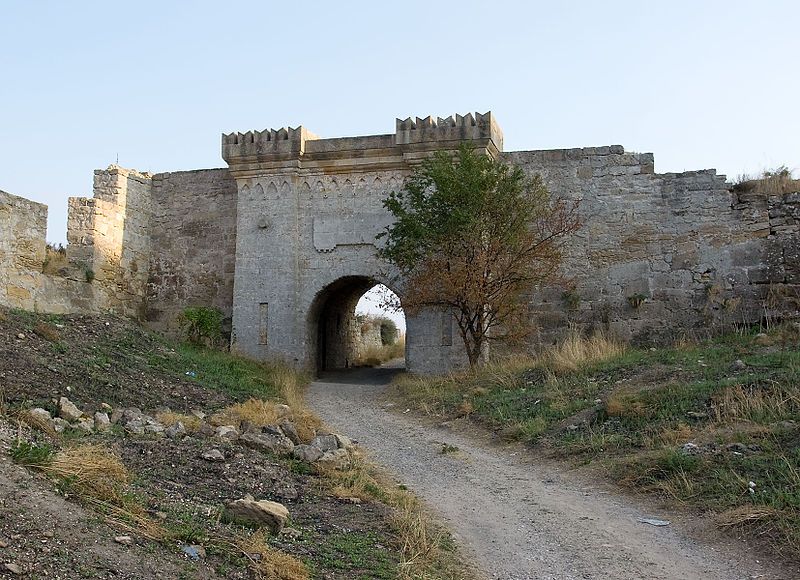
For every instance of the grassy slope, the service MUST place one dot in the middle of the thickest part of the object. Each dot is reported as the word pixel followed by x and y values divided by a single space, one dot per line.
pixel 107 359
pixel 633 413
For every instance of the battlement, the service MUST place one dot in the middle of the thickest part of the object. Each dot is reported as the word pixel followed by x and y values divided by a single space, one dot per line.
pixel 268 144
pixel 413 140
pixel 469 127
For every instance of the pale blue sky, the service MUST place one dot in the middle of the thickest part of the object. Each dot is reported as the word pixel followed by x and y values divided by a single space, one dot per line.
pixel 700 84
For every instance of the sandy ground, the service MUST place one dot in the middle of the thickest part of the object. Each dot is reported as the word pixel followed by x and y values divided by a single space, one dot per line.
pixel 521 517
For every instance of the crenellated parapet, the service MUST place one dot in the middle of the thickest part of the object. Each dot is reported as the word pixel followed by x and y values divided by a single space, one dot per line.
pixel 255 152
pixel 480 129
pixel 266 145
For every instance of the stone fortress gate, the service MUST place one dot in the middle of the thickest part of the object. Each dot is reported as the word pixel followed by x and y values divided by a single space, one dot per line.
pixel 283 242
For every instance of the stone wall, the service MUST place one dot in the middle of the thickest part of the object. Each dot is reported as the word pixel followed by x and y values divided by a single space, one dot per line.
pixel 23 224
pixel 283 242
pixel 193 236
pixel 659 254
pixel 108 237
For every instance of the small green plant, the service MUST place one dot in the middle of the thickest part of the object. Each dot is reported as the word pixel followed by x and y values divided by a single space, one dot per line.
pixel 447 448
pixel 202 325
pixel 636 300
pixel 26 453
pixel 571 299
pixel 89 274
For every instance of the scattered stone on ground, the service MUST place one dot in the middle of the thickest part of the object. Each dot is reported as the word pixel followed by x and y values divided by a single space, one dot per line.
pixel 213 455
pixel 270 514
pixel 307 453
pixel 68 410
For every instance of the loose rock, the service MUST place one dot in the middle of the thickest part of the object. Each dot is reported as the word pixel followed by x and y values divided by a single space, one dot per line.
pixel 690 449
pixel 227 432
pixel 135 427
pixel 85 424
pixel 68 410
pixel 175 430
pixel 13 568
pixel 213 455
pixel 266 513
pixel 102 421
pixel 325 442
pixel 156 429
pixel 307 453
pixel 290 431
pixel 335 458
pixel 124 540
pixel 42 414
pixel 265 442
pixel 343 441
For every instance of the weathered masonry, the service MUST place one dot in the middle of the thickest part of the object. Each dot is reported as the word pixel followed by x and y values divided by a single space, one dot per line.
pixel 283 242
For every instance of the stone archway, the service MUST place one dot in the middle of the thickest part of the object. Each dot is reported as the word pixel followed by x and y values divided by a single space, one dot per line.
pixel 332 325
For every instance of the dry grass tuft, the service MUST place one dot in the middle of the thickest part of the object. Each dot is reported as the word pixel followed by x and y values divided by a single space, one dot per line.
pixel 681 433
pixel 99 478
pixel 419 542
pixel 746 515
pixel 55 260
pixel 47 331
pixel 3 316
pixel 256 412
pixel 36 422
pixel 624 404
pixel 355 479
pixel 292 385
pixel 92 471
pixel 754 402
pixel 268 562
pixel 191 422
pixel 577 350
pixel 776 181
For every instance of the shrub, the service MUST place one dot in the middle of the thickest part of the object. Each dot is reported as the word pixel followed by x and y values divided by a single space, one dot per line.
pixel 389 331
pixel 202 325
pixel 771 182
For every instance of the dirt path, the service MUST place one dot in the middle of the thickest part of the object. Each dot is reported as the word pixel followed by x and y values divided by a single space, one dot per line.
pixel 518 517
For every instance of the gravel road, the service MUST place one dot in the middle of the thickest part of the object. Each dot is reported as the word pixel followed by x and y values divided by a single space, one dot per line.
pixel 522 518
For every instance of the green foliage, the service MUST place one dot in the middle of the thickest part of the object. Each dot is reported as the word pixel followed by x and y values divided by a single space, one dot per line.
pixel 31 454
pixel 636 300
pixel 202 325
pixel 474 236
pixel 389 331
pixel 361 554
pixel 238 378
pixel 571 299
pixel 89 275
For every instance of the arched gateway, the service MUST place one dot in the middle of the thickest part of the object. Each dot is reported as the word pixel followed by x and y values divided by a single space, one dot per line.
pixel 308 211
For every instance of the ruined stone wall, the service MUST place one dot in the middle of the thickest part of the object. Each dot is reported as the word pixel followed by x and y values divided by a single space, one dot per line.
pixel 193 241
pixel 108 237
pixel 658 254
pixel 23 224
